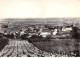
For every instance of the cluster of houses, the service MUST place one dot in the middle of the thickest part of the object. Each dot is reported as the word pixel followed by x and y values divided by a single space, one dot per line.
pixel 41 30
pixel 55 31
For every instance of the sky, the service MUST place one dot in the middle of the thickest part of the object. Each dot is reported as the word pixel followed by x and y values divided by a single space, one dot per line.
pixel 39 8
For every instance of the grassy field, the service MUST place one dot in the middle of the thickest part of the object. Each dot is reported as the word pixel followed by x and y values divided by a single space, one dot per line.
pixel 63 45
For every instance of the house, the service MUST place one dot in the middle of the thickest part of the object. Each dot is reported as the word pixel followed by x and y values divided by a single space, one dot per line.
pixel 65 29
pixel 45 32
pixel 55 32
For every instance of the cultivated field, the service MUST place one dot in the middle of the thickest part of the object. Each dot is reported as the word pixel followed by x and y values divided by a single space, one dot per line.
pixel 18 48
pixel 22 48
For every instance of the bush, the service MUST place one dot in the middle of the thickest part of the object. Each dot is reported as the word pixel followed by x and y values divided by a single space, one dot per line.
pixel 3 43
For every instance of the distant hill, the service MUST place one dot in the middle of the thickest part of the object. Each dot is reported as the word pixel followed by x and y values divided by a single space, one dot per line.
pixel 27 21
pixel 53 21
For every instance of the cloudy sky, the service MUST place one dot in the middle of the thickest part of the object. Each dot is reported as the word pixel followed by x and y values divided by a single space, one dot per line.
pixel 39 8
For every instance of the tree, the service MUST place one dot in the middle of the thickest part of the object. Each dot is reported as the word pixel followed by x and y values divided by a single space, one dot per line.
pixel 75 35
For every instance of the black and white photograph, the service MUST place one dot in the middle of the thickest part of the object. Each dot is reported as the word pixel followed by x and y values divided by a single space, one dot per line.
pixel 39 37
pixel 39 28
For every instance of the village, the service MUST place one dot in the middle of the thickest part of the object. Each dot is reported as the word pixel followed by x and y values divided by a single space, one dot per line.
pixel 50 40
pixel 39 30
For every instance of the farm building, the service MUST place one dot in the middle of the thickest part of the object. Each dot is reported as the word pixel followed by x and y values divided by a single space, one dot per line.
pixel 44 32
pixel 65 29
